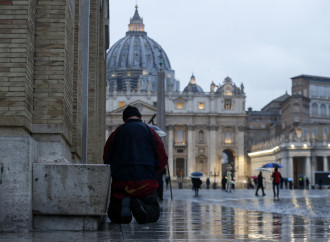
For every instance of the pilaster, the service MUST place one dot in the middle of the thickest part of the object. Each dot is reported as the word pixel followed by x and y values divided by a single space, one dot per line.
pixel 191 163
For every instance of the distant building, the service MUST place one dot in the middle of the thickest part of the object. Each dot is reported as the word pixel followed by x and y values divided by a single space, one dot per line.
pixel 298 137
pixel 205 130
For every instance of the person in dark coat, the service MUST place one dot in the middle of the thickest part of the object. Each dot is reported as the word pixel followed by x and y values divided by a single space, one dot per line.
pixel 260 184
pixel 137 156
pixel 307 182
pixel 223 182
pixel 196 185
pixel 167 180
pixel 208 183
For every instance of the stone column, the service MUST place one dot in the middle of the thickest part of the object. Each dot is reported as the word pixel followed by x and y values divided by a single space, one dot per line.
pixel 325 163
pixel 170 150
pixel 290 167
pixel 308 170
pixel 313 165
pixel 212 149
pixel 191 158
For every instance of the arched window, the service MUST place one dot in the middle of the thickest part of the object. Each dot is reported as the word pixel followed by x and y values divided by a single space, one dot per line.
pixel 323 109
pixel 201 137
pixel 315 109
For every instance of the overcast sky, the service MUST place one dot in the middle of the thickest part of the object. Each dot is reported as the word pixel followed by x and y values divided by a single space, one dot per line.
pixel 260 43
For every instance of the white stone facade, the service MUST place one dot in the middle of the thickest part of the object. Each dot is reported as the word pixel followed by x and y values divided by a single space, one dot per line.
pixel 199 127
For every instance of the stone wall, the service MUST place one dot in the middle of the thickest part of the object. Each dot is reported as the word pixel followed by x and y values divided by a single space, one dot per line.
pixel 17 30
pixel 44 59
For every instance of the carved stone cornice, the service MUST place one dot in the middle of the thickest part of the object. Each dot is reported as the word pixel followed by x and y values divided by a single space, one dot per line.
pixel 213 127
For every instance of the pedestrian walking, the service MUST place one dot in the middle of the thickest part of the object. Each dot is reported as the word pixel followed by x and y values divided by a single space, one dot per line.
pixel 167 180
pixel 137 157
pixel 196 185
pixel 276 181
pixel 260 184
pixel 224 182
pixel 208 183
pixel 307 182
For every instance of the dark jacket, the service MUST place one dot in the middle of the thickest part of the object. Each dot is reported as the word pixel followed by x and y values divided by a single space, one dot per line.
pixel 136 154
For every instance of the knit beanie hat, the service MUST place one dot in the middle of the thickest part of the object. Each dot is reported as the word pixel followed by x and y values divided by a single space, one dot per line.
pixel 131 111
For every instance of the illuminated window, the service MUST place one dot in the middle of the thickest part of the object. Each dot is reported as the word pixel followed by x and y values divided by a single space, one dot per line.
pixel 121 104
pixel 228 137
pixel 228 104
pixel 201 105
pixel 180 136
pixel 179 105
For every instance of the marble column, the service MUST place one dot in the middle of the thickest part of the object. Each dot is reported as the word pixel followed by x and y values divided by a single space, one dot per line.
pixel 212 150
pixel 290 167
pixel 308 170
pixel 313 168
pixel 170 150
pixel 325 163
pixel 191 158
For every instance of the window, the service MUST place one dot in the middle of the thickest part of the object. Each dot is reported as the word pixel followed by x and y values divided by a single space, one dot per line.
pixel 323 109
pixel 304 131
pixel 179 105
pixel 201 137
pixel 180 137
pixel 228 104
pixel 315 109
pixel 121 104
pixel 228 137
pixel 313 90
pixel 201 105
pixel 325 130
pixel 315 131
pixel 296 119
pixel 179 150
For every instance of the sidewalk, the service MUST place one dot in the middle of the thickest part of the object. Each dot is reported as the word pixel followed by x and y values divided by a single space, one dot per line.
pixel 216 215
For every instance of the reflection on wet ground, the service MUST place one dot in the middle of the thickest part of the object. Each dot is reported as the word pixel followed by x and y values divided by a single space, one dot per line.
pixel 214 216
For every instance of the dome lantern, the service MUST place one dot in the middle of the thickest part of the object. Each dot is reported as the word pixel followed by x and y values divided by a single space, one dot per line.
pixel 136 23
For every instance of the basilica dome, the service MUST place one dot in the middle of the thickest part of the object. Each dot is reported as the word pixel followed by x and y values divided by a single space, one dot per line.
pixel 133 62
pixel 192 86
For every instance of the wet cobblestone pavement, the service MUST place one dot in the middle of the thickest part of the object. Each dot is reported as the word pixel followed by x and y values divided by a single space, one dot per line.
pixel 298 215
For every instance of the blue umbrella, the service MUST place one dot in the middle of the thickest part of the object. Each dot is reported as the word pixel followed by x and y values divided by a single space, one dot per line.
pixel 196 174
pixel 272 165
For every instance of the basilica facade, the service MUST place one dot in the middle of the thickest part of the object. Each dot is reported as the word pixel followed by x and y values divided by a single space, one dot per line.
pixel 205 130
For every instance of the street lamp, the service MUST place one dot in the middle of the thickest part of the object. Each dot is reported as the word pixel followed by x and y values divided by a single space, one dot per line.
pixel 214 174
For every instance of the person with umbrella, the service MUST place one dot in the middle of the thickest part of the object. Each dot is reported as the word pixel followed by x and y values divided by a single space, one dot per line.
pixel 196 181
pixel 260 184
pixel 276 181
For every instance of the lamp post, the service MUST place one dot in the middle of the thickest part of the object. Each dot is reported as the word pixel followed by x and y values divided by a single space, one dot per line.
pixel 214 174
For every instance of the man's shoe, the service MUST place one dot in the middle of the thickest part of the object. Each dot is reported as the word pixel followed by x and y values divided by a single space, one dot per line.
pixel 125 214
pixel 264 194
pixel 257 195
pixel 139 212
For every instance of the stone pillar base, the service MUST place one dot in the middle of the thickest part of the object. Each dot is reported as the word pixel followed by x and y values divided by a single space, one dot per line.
pixel 73 223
